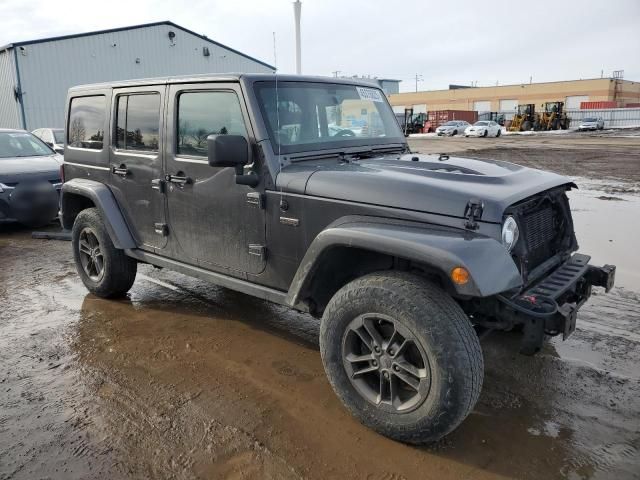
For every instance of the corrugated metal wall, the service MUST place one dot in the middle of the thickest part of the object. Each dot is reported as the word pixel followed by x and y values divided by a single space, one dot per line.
pixel 48 69
pixel 9 107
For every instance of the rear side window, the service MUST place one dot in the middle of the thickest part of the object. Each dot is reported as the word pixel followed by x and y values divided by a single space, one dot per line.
pixel 138 122
pixel 86 122
pixel 201 114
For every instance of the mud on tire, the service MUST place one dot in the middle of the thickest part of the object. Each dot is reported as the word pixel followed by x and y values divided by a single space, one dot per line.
pixel 453 368
pixel 111 273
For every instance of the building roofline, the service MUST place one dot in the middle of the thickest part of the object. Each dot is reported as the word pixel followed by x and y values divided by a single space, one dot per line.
pixel 133 27
pixel 517 85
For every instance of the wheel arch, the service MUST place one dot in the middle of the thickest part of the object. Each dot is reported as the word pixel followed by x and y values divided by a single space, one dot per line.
pixel 79 194
pixel 355 247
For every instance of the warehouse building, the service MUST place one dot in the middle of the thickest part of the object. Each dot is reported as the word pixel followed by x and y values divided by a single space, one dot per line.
pixel 506 98
pixel 35 75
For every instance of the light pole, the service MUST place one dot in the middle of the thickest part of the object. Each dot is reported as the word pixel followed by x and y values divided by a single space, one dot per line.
pixel 418 79
pixel 297 7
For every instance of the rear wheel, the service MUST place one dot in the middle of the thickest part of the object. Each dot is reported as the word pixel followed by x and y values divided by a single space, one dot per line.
pixel 105 270
pixel 402 356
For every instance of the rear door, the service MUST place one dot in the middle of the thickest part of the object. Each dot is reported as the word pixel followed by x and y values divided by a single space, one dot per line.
pixel 213 221
pixel 136 162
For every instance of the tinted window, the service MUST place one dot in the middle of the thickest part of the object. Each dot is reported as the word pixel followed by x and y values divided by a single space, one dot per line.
pixel 86 122
pixel 201 114
pixel 138 122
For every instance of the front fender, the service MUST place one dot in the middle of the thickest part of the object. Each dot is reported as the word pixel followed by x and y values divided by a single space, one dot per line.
pixel 105 202
pixel 491 268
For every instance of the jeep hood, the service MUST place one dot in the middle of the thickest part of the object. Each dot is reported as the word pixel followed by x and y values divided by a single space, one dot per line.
pixel 427 184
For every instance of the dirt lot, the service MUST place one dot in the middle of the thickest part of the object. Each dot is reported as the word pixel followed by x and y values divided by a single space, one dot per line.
pixel 186 380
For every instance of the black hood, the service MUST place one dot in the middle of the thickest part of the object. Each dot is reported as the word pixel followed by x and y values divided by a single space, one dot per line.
pixel 427 184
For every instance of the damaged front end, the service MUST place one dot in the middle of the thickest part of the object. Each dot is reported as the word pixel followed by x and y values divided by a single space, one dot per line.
pixel 556 281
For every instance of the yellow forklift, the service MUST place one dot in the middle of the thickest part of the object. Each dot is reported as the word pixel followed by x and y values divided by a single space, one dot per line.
pixel 553 117
pixel 524 119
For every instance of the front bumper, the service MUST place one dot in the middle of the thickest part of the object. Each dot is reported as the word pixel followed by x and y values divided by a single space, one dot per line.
pixel 551 305
pixel 475 133
pixel 30 206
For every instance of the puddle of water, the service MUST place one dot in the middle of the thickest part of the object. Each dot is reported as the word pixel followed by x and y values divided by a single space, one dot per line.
pixel 609 231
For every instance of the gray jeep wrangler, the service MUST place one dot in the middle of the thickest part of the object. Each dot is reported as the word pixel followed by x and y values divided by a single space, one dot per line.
pixel 303 191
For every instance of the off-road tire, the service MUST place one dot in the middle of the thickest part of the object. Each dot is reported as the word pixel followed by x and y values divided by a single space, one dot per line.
pixel 119 269
pixel 452 347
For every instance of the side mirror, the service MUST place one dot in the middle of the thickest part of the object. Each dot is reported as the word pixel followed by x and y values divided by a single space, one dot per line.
pixel 231 151
pixel 228 151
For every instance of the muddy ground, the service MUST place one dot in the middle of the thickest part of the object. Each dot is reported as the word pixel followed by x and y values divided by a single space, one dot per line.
pixel 185 380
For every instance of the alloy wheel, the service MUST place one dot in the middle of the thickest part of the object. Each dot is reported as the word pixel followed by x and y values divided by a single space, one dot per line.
pixel 385 363
pixel 91 257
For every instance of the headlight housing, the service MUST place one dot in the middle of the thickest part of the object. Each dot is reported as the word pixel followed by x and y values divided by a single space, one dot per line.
pixel 510 233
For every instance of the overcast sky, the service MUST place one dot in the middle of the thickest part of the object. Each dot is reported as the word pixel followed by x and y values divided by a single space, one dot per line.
pixel 454 41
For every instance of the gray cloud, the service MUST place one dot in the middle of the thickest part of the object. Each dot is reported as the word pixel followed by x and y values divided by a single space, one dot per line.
pixel 445 42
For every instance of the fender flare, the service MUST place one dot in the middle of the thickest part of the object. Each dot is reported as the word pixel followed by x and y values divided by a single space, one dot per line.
pixel 491 268
pixel 105 202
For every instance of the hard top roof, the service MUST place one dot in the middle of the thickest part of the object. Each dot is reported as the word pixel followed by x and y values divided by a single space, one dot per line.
pixel 226 77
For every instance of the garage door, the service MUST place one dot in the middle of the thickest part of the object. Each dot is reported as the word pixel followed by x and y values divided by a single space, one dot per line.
pixel 508 106
pixel 573 103
pixel 482 106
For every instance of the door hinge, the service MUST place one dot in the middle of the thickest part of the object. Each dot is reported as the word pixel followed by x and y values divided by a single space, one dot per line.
pixel 255 199
pixel 473 213
pixel 161 229
pixel 258 251
pixel 159 184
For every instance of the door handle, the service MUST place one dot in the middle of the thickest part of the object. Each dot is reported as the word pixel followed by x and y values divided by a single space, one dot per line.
pixel 121 170
pixel 180 179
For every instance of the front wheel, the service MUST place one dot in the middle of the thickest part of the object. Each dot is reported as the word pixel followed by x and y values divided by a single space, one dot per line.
pixel 402 356
pixel 498 133
pixel 105 270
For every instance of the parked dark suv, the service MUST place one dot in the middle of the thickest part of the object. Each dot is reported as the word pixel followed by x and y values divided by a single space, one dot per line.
pixel 303 191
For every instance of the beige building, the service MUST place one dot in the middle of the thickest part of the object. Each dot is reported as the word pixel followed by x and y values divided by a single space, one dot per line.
pixel 506 98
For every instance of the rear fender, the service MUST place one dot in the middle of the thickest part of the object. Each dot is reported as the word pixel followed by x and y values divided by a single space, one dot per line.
pixel 491 268
pixel 102 198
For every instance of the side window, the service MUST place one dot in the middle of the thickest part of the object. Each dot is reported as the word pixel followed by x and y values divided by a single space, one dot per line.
pixel 201 114
pixel 138 122
pixel 86 122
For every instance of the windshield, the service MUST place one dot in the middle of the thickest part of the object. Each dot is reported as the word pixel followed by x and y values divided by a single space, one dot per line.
pixel 21 144
pixel 590 120
pixel 58 135
pixel 451 124
pixel 481 124
pixel 316 116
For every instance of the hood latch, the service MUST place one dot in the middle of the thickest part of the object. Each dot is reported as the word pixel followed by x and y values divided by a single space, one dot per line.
pixel 473 212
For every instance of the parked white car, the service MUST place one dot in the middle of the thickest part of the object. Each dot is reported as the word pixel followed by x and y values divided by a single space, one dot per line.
pixel 591 123
pixel 483 128
pixel 452 127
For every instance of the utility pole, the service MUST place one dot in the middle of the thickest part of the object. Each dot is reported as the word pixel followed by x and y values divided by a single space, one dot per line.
pixel 418 79
pixel 297 7
pixel 336 73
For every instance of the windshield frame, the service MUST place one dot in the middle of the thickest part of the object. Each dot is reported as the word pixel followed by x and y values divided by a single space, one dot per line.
pixel 351 145
pixel 32 137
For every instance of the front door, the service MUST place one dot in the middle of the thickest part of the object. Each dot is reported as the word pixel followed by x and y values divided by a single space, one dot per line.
pixel 136 162
pixel 213 222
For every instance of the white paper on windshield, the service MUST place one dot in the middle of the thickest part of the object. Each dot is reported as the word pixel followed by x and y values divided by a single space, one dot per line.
pixel 369 94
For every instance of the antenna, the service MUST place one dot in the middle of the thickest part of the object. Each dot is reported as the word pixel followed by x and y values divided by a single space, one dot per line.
pixel 297 7
pixel 275 74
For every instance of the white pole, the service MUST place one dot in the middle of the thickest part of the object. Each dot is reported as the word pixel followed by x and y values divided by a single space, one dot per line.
pixel 297 6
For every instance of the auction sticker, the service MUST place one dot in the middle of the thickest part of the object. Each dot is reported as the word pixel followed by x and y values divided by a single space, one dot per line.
pixel 369 94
